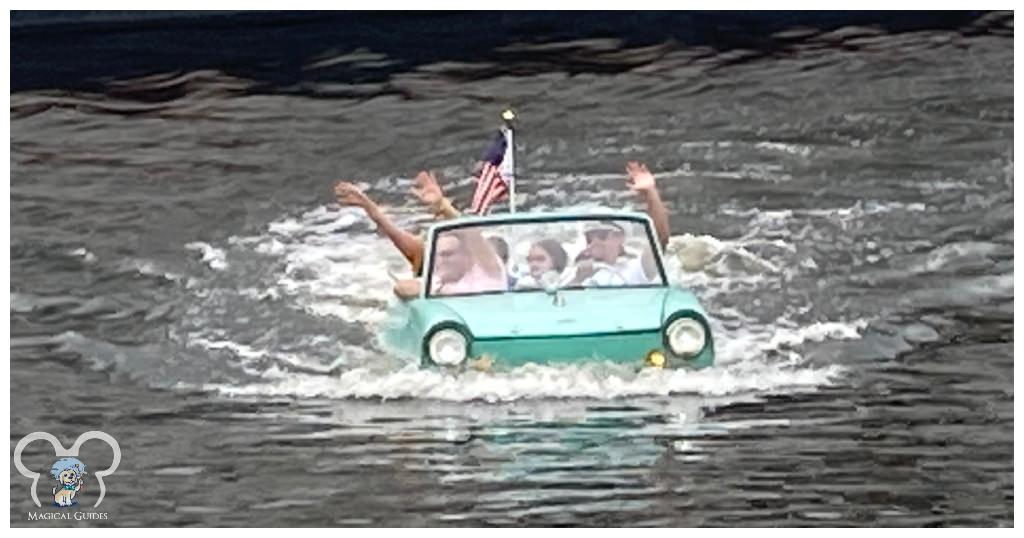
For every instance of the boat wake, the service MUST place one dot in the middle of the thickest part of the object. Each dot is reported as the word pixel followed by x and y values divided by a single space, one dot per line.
pixel 298 308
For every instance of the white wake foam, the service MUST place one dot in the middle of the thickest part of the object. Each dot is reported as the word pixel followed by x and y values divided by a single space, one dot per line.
pixel 214 257
pixel 595 381
pixel 332 268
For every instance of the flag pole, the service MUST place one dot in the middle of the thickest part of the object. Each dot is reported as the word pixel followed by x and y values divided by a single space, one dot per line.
pixel 508 116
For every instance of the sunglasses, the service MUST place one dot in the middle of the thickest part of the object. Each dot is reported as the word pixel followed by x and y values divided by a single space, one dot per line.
pixel 537 259
pixel 597 235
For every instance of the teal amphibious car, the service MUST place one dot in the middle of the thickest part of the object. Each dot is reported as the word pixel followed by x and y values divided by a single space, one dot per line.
pixel 572 287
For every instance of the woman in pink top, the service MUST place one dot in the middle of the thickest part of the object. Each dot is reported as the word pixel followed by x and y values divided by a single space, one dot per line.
pixel 464 262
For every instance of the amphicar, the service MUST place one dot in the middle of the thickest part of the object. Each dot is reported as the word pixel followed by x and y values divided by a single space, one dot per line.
pixel 549 288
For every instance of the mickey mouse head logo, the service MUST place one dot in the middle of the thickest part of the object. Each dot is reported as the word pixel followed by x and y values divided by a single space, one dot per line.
pixel 60 451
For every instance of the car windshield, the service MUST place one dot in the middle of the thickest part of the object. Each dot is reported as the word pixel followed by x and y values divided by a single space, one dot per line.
pixel 529 255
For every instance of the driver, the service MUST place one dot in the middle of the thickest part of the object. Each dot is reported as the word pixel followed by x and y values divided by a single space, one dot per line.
pixel 605 261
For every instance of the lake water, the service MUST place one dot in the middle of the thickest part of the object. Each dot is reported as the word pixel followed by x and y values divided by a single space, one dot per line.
pixel 842 204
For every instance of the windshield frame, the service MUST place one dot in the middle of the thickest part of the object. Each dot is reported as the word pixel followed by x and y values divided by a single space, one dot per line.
pixel 643 220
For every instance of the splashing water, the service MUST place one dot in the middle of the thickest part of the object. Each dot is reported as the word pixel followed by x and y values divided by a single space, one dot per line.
pixel 326 264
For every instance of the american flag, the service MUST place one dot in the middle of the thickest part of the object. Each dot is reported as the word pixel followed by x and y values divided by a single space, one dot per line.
pixel 494 180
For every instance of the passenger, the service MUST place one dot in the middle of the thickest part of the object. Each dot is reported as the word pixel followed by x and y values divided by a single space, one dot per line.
pixel 409 244
pixel 464 262
pixel 500 247
pixel 605 262
pixel 544 256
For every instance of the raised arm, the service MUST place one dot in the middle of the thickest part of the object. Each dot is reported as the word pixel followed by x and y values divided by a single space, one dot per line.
pixel 429 192
pixel 482 251
pixel 408 244
pixel 642 181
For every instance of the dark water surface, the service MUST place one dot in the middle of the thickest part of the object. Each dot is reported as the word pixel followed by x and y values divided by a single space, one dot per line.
pixel 843 205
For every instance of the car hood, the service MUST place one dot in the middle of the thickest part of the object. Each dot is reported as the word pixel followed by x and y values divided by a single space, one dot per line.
pixel 534 313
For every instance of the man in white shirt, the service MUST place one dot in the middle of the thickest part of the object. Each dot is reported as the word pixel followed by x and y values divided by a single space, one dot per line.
pixel 605 261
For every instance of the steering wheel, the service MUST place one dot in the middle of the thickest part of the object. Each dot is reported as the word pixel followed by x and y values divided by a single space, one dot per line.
pixel 616 274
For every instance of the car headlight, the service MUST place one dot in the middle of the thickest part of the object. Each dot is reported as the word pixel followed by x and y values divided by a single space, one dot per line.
pixel 447 347
pixel 685 337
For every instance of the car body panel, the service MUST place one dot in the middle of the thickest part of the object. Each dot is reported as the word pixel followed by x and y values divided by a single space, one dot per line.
pixel 624 347
pixel 618 324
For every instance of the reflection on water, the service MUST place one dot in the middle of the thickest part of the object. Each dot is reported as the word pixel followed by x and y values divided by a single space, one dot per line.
pixel 841 205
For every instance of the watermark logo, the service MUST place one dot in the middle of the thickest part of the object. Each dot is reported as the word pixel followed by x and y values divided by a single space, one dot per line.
pixel 68 471
pixel 69 474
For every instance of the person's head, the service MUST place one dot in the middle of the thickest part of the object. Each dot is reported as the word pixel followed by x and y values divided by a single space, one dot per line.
pixel 452 259
pixel 500 247
pixel 605 241
pixel 546 255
